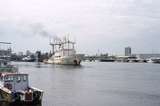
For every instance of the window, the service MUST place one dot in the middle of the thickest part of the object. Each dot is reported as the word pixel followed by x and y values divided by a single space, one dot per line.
pixel 8 78
pixel 11 78
pixel 18 78
pixel 24 78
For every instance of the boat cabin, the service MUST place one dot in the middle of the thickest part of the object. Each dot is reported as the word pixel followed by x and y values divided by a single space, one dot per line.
pixel 63 47
pixel 14 81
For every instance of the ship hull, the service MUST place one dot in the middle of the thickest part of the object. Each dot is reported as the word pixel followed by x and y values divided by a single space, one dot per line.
pixel 67 60
pixel 5 95
pixel 106 60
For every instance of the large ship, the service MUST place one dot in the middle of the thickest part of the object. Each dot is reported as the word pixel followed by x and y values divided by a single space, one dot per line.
pixel 64 52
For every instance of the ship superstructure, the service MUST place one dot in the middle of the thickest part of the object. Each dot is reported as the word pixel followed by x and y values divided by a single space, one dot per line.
pixel 64 52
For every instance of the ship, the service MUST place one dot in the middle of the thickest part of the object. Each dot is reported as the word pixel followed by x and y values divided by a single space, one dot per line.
pixel 64 52
pixel 14 89
pixel 106 58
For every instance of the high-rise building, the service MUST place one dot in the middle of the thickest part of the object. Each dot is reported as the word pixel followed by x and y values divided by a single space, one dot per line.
pixel 128 51
pixel 28 53
pixel 20 53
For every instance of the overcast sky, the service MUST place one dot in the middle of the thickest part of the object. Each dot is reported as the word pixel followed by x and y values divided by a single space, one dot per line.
pixel 97 25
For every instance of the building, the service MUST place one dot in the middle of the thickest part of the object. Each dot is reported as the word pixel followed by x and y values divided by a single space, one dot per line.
pixel 28 53
pixel 128 51
pixel 20 53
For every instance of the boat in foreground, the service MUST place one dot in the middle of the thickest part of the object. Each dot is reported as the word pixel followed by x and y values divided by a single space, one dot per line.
pixel 14 88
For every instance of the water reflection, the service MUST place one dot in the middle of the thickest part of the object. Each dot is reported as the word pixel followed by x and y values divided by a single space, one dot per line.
pixel 67 66
pixel 38 65
pixel 41 65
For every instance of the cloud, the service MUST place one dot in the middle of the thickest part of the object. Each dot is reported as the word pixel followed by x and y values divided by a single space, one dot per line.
pixel 109 25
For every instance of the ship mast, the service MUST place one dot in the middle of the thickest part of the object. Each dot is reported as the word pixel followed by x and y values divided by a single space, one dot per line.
pixel 55 42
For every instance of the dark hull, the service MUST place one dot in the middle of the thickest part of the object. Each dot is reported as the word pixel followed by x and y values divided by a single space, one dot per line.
pixel 16 98
pixel 19 104
pixel 106 60
pixel 24 103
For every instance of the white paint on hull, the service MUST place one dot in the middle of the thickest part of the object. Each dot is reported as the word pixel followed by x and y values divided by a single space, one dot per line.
pixel 66 60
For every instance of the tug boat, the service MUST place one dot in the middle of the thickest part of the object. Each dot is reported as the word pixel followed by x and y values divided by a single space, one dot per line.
pixel 64 52
pixel 14 88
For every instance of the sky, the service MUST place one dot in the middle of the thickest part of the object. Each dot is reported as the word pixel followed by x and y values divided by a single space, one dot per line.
pixel 97 26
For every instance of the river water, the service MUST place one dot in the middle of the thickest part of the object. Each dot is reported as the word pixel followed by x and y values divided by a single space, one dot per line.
pixel 96 83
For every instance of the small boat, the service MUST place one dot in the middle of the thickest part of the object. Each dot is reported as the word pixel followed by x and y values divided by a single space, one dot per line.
pixel 106 58
pixel 14 88
pixel 154 60
pixel 64 53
